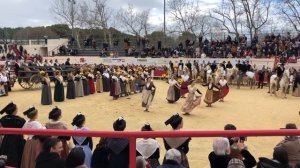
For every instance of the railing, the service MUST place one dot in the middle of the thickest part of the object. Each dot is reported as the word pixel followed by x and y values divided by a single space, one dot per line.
pixel 133 135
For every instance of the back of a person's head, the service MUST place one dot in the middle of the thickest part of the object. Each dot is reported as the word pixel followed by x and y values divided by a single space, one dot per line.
pixel 75 158
pixel 229 127
pixel 173 154
pixel 221 146
pixel 235 163
pixel 281 155
pixel 49 143
pixel 140 162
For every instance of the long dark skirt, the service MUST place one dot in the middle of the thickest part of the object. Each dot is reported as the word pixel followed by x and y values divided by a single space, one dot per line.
pixel 106 84
pixel 46 95
pixel 59 92
pixel 71 94
pixel 86 88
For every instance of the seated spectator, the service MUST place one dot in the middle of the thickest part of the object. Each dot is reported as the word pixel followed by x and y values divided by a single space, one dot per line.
pixel 100 155
pixel 219 157
pixel 280 160
pixel 76 158
pixel 291 144
pixel 50 156
pixel 173 159
pixel 118 147
pixel 141 162
pixel 235 163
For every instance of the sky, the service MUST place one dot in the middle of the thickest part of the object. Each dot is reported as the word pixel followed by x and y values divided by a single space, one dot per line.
pixel 23 13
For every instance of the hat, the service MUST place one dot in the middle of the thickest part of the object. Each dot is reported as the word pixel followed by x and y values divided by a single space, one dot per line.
pixel 119 124
pixel 78 120
pixel 54 113
pixel 235 163
pixel 147 127
pixel 9 109
pixel 30 112
pixel 290 126
pixel 174 121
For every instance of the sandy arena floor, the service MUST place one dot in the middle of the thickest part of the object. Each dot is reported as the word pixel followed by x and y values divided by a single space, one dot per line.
pixel 247 109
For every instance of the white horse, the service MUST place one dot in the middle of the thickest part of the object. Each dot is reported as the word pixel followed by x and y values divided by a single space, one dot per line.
pixel 273 84
pixel 250 78
pixel 284 83
pixel 231 75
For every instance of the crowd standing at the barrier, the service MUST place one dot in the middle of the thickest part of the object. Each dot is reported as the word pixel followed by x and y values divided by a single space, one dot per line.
pixel 49 152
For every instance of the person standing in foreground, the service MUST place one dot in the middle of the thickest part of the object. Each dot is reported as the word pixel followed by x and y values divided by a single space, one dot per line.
pixel 12 145
pixel 148 94
pixel 180 143
pixel 192 100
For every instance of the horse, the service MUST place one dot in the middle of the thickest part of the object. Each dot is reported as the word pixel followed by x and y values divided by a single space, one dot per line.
pixel 273 84
pixel 250 78
pixel 231 75
pixel 284 83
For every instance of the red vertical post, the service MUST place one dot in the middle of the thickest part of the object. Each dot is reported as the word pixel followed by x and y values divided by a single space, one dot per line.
pixel 132 152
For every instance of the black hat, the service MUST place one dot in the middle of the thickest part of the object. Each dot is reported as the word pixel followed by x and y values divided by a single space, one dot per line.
pixel 9 109
pixel 119 124
pixel 290 126
pixel 147 127
pixel 30 112
pixel 78 120
pixel 175 120
pixel 55 113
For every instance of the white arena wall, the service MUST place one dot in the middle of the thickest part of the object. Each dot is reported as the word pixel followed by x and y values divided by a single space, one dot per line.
pixel 161 61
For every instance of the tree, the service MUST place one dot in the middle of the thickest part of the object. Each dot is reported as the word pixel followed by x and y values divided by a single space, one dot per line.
pixel 67 12
pixel 257 14
pixel 290 10
pixel 229 14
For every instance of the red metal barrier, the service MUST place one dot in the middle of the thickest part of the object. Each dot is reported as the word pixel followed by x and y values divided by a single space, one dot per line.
pixel 133 135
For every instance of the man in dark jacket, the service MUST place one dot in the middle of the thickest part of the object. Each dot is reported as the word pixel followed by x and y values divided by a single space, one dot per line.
pixel 173 159
pixel 50 156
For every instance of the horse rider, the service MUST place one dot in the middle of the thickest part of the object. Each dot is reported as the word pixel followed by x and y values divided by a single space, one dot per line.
pixel 279 70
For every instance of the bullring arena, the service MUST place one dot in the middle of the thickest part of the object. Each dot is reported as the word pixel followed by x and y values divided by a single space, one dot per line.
pixel 245 108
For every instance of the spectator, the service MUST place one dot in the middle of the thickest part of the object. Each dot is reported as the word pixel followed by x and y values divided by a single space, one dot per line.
pixel 86 143
pixel 76 158
pixel 55 123
pixel 291 144
pixel 280 160
pixel 100 155
pixel 173 159
pixel 50 156
pixel 148 148
pixel 118 147
pixel 235 163
pixel 141 162
pixel 12 145
pixel 219 157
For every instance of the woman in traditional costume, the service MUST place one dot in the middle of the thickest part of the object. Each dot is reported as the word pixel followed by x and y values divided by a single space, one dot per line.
pixel 91 83
pixel 78 86
pixel 100 154
pixel 33 146
pixel 106 81
pixel 296 85
pixel 193 100
pixel 118 147
pixel 211 95
pixel 99 82
pixel 59 93
pixel 86 87
pixel 71 93
pixel 55 123
pixel 173 91
pixel 86 143
pixel 148 148
pixel 180 143
pixel 46 89
pixel 224 89
pixel 115 88
pixel 148 94
pixel 12 145
pixel 184 85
